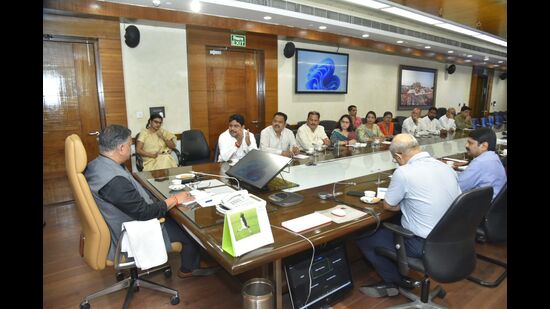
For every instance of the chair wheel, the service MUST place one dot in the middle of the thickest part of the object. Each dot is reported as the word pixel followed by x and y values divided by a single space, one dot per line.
pixel 441 293
pixel 119 276
pixel 168 272
pixel 174 300
pixel 86 305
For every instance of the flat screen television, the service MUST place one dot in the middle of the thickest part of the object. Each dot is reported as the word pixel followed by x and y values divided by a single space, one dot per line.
pixel 258 167
pixel 321 72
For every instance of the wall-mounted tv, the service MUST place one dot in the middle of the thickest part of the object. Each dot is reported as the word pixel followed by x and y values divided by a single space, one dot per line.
pixel 321 72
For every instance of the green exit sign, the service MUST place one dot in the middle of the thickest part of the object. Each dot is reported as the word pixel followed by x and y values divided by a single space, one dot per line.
pixel 238 40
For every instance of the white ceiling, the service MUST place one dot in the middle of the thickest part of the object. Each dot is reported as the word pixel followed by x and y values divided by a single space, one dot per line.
pixel 255 12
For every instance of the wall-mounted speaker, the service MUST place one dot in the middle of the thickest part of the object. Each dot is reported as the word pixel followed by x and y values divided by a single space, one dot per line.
pixel 289 50
pixel 503 76
pixel 131 37
pixel 451 69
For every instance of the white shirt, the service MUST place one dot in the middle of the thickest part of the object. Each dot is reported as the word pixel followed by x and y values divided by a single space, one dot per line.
pixel 409 126
pixel 306 138
pixel 270 142
pixel 425 124
pixel 424 188
pixel 228 150
pixel 447 123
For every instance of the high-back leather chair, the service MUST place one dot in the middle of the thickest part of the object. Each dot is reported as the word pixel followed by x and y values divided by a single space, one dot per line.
pixel 329 126
pixel 493 229
pixel 95 237
pixel 398 123
pixel 194 148
pixel 449 250
pixel 440 112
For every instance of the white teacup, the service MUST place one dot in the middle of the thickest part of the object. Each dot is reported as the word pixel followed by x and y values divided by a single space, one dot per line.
pixel 369 199
pixel 370 194
pixel 450 163
pixel 176 182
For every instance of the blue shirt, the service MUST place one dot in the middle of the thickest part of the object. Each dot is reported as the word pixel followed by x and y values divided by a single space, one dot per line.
pixel 424 188
pixel 485 170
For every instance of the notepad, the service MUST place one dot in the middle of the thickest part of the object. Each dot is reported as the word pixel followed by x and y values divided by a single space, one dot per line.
pixel 306 222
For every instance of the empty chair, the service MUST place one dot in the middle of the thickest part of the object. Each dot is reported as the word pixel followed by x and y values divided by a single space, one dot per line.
pixel 194 148
pixel 493 229
pixel 95 238
pixel 475 123
pixel 499 120
pixel 491 121
pixel 484 122
pixel 449 249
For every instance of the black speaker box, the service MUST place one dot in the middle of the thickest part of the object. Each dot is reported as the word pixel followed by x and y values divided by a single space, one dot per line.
pixel 131 37
pixel 451 69
pixel 503 76
pixel 289 50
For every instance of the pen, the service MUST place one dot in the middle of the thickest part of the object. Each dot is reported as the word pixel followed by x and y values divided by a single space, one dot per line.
pixel 208 201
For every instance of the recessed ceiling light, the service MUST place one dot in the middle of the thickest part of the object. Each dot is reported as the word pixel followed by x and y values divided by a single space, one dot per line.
pixel 267 17
pixel 195 6
pixel 467 60
pixel 450 52
pixel 369 3
pixel 427 47
pixel 322 27
pixel 399 42
pixel 486 59
pixel 469 56
pixel 500 61
pixel 365 35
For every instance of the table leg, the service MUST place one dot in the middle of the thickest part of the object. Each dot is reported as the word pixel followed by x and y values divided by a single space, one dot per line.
pixel 277 267
pixel 265 271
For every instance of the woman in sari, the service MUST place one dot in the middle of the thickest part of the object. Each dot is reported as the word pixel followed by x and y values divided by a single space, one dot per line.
pixel 344 133
pixel 386 125
pixel 155 145
pixel 369 131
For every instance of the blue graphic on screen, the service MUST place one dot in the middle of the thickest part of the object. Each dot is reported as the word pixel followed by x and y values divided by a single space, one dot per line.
pixel 321 72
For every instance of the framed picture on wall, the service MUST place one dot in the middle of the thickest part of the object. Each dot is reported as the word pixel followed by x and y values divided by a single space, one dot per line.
pixel 416 87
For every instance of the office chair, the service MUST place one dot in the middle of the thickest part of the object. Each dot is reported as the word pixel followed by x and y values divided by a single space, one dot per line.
pixel 440 112
pixel 493 229
pixel 475 123
pixel 139 158
pixel 95 237
pixel 194 148
pixel 449 249
pixel 398 123
pixel 216 152
pixel 257 136
pixel 329 126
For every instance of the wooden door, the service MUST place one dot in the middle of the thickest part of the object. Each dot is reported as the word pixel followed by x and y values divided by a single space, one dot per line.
pixel 70 105
pixel 480 91
pixel 234 85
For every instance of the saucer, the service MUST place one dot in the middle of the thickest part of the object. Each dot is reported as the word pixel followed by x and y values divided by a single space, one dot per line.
pixel 176 187
pixel 374 200
pixel 463 167
pixel 185 176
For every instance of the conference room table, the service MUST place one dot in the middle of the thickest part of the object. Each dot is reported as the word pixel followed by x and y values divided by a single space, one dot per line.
pixel 369 167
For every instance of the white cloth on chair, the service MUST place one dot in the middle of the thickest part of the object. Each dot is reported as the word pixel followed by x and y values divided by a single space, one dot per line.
pixel 143 241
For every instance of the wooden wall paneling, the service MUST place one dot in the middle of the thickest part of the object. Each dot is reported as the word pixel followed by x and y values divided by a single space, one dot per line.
pixel 110 53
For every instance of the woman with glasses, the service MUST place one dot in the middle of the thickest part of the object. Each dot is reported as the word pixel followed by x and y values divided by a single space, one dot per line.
pixel 344 133
pixel 155 145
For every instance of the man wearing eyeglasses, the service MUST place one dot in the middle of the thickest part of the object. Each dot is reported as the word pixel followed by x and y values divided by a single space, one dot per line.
pixel 447 121
pixel 422 188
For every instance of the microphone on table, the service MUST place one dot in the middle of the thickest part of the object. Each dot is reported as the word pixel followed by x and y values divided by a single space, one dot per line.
pixel 220 176
pixel 351 183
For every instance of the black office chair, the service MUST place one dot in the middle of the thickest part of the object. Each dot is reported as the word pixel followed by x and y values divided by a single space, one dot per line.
pixel 257 137
pixel 329 126
pixel 441 111
pixel 139 158
pixel 194 148
pixel 216 152
pixel 493 228
pixel 398 123
pixel 449 250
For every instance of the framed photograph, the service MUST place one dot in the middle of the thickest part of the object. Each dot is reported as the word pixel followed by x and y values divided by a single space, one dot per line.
pixel 321 72
pixel 416 87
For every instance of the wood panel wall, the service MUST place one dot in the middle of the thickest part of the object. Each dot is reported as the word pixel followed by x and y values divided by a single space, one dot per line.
pixel 110 57
pixel 197 40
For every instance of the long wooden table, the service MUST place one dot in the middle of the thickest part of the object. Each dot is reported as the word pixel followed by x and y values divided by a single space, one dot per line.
pixel 206 225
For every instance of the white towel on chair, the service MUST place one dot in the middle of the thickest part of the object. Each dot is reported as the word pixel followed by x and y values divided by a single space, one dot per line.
pixel 143 241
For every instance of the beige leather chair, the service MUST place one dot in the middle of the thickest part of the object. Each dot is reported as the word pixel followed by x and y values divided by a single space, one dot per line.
pixel 95 237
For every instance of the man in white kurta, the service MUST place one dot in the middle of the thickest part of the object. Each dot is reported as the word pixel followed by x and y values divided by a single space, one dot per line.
pixel 410 124
pixel 429 123
pixel 447 121
pixel 311 132
pixel 236 141
pixel 277 138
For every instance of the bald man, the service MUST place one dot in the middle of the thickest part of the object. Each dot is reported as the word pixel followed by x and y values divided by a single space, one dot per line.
pixel 422 188
pixel 447 121
pixel 410 125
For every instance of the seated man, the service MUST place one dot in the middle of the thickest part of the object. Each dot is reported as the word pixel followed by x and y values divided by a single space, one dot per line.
pixel 447 121
pixel 421 187
pixel 429 123
pixel 235 142
pixel 464 120
pixel 277 138
pixel 410 125
pixel 120 198
pixel 486 169
pixel 311 132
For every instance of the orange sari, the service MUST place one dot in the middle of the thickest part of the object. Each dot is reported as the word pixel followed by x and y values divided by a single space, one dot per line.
pixel 383 128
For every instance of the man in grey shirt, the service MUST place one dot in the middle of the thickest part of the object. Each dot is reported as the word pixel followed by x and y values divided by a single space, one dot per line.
pixel 423 188
pixel 277 138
